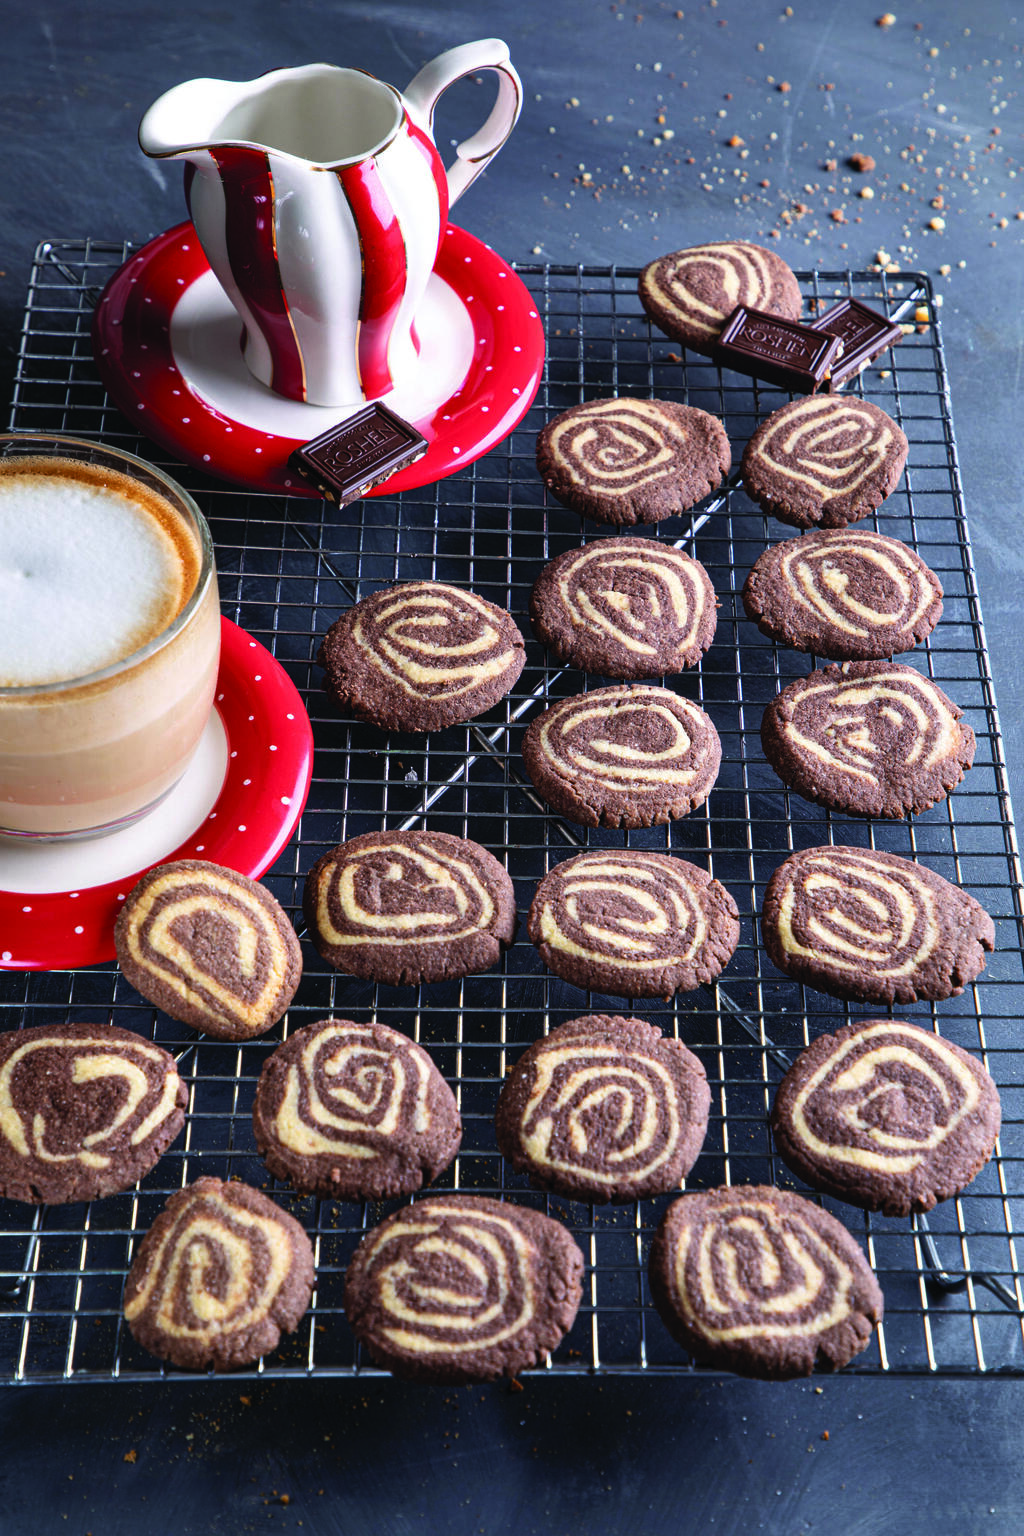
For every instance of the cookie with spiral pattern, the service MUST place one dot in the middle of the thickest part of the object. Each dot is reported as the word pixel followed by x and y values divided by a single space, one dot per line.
pixel 210 947
pixel 627 756
pixel 843 593
pixel 406 907
pixel 421 656
pixel 628 461
pixel 762 1282
pixel 886 1115
pixel 633 923
pixel 872 738
pixel 824 461
pixel 606 1109
pixel 690 294
pixel 872 927
pixel 354 1112
pixel 220 1275
pixel 85 1111
pixel 628 608
pixel 458 1288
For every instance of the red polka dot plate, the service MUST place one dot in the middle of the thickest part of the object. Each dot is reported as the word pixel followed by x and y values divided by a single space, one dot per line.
pixel 167 344
pixel 237 805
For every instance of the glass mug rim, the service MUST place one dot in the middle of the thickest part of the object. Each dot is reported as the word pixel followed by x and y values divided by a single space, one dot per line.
pixel 84 449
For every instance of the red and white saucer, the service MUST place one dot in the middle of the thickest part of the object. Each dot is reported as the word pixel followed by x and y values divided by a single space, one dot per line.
pixel 167 344
pixel 237 804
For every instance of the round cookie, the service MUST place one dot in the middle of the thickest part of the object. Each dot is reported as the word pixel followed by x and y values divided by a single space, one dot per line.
pixel 604 1108
pixel 824 460
pixel 873 927
pixel 210 948
pixel 625 756
pixel 628 461
pixel 762 1282
pixel 354 1112
pixel 219 1276
pixel 691 294
pixel 846 594
pixel 85 1111
pixel 406 907
pixel 633 923
pixel 872 738
pixel 628 608
pixel 887 1116
pixel 421 656
pixel 458 1288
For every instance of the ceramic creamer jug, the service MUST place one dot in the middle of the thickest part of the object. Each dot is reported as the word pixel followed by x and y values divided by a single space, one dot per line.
pixel 320 201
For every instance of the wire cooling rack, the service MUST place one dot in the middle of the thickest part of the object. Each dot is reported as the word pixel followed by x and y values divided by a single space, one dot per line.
pixel 288 567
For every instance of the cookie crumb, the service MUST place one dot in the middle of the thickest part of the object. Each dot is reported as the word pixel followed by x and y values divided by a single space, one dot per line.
pixel 863 163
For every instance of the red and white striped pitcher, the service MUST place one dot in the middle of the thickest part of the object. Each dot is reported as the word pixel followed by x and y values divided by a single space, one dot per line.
pixel 320 200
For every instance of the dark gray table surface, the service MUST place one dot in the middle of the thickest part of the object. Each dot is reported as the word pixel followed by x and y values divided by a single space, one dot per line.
pixel 623 151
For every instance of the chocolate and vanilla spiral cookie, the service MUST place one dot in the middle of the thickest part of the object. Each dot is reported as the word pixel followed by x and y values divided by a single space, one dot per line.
pixel 691 294
pixel 85 1111
pixel 628 756
pixel 354 1112
pixel 405 907
pixel 210 948
pixel 219 1276
pixel 762 1282
pixel 872 738
pixel 886 1115
pixel 460 1288
pixel 627 461
pixel 628 608
pixel 421 656
pixel 604 1108
pixel 633 923
pixel 873 927
pixel 824 460
pixel 845 594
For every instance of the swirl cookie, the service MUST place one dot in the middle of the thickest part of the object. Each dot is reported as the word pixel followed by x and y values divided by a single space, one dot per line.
pixel 628 608
pixel 219 1276
pixel 354 1112
pixel 604 1109
pixel 210 948
pixel 872 738
pixel 873 927
pixel 886 1115
pixel 762 1282
pixel 405 907
pixel 824 460
pixel 633 923
pixel 85 1111
pixel 691 294
pixel 421 656
pixel 845 594
pixel 459 1288
pixel 623 757
pixel 632 461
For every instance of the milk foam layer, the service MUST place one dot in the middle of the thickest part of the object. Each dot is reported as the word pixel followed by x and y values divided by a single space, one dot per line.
pixel 93 566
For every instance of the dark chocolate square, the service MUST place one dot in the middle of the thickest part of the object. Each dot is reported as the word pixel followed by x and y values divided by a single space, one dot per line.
pixel 355 455
pixel 784 352
pixel 864 334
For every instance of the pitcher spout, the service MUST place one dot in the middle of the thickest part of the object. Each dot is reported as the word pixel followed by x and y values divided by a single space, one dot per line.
pixel 190 117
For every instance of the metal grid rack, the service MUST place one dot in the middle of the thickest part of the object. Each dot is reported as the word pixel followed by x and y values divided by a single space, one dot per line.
pixel 953 1285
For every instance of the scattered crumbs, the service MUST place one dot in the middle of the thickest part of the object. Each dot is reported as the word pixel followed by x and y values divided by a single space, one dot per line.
pixel 858 162
pixel 783 86
pixel 131 1456
pixel 867 192
pixel 937 224
pixel 824 1434
pixel 888 20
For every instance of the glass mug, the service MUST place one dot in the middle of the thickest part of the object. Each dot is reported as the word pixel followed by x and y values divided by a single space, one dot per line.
pixel 110 640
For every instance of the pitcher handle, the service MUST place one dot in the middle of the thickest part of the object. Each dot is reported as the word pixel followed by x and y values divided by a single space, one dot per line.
pixel 423 91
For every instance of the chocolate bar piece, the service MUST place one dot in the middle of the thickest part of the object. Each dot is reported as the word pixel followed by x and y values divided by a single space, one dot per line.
pixel 351 458
pixel 864 334
pixel 779 351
